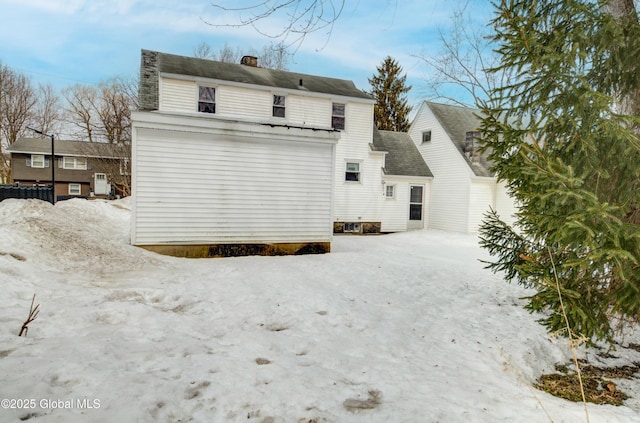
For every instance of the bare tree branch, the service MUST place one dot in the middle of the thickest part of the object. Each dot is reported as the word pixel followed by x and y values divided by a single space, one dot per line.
pixel 464 63
pixel 302 18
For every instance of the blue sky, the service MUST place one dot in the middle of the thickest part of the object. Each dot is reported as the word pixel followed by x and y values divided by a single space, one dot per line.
pixel 64 42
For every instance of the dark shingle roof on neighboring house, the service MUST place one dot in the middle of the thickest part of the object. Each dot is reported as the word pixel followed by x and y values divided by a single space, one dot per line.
pixel 153 63
pixel 403 157
pixel 457 121
pixel 65 148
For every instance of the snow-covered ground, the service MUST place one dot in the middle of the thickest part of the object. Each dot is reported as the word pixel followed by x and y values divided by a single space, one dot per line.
pixel 396 328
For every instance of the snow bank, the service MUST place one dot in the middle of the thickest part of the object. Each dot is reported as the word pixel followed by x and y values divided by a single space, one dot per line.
pixel 397 328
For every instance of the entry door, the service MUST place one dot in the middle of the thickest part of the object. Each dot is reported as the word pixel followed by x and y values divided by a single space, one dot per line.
pixel 416 208
pixel 100 185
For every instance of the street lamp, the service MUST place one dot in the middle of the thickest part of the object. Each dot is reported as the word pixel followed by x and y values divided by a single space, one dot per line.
pixel 53 158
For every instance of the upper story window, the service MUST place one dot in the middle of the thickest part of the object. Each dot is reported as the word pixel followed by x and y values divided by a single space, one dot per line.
pixel 426 136
pixel 352 172
pixel 337 116
pixel 36 160
pixel 278 106
pixel 206 99
pixel 77 163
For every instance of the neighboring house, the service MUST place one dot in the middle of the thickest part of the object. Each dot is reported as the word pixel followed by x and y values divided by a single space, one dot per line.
pixel 463 187
pixel 234 159
pixel 80 167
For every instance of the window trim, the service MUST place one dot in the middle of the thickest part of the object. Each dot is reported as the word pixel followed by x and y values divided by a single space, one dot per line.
pixel 335 116
pixel 43 161
pixel 74 163
pixel 358 180
pixel 282 107
pixel 426 134
pixel 415 203
pixel 206 101
pixel 393 191
pixel 75 185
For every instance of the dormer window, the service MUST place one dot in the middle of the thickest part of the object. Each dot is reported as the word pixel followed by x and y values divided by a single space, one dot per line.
pixel 337 116
pixel 206 99
pixel 426 136
pixel 278 106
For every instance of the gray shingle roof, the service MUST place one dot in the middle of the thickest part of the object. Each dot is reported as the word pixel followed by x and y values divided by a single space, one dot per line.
pixel 457 121
pixel 65 148
pixel 156 62
pixel 403 158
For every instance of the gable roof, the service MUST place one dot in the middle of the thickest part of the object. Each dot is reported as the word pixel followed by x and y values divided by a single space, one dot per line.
pixel 457 121
pixel 153 63
pixel 66 148
pixel 403 157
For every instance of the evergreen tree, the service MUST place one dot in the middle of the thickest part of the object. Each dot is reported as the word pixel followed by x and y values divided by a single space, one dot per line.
pixel 564 136
pixel 388 88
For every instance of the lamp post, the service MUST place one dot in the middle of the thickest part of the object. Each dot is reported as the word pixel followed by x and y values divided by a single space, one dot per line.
pixel 53 158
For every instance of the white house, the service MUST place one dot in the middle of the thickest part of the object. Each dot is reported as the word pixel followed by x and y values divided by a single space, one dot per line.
pixel 463 187
pixel 234 159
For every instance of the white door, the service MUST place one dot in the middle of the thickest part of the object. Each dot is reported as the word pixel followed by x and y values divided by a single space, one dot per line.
pixel 100 185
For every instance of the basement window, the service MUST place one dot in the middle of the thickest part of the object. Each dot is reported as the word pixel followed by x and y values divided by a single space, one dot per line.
pixel 278 106
pixel 351 227
pixel 206 99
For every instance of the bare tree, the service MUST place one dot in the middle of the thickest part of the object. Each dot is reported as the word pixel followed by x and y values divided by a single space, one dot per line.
pixel 102 115
pixel 46 115
pixel 301 17
pixel 17 100
pixel 80 111
pixel 460 72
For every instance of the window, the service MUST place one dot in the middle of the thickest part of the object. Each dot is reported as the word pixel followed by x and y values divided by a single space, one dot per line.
pixel 207 99
pixel 278 106
pixel 415 203
pixel 352 172
pixel 337 116
pixel 351 227
pixel 426 136
pixel 77 163
pixel 390 191
pixel 37 160
pixel 125 167
pixel 74 189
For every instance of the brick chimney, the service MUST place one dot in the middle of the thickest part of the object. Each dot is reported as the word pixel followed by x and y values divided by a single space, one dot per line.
pixel 249 61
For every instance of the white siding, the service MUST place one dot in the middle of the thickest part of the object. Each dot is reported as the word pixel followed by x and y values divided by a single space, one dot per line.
pixel 450 188
pixel 358 201
pixel 192 186
pixel 483 197
pixel 177 95
pixel 309 111
pixel 238 102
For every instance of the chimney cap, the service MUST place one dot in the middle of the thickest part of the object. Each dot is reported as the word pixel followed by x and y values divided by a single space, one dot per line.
pixel 249 61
